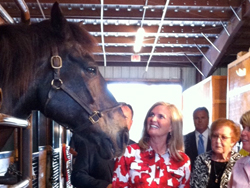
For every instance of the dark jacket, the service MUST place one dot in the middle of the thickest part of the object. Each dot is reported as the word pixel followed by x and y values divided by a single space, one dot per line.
pixel 90 170
pixel 191 147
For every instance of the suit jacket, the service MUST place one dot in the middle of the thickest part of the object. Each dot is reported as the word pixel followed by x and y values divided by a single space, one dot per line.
pixel 191 147
pixel 90 170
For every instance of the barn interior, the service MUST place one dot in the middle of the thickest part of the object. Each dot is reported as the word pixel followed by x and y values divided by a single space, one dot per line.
pixel 203 46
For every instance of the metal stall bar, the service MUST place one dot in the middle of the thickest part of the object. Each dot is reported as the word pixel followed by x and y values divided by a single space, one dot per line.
pixel 25 147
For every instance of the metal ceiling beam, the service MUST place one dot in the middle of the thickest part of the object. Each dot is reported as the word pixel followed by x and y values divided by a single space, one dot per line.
pixel 157 34
pixel 129 49
pixel 126 60
pixel 150 40
pixel 233 3
pixel 75 12
pixel 102 36
pixel 155 59
pixel 225 40
pixel 153 29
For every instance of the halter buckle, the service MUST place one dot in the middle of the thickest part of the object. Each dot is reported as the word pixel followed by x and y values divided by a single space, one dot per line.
pixel 94 118
pixel 56 62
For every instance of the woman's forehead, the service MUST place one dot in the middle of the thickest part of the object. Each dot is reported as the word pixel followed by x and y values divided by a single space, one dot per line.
pixel 161 109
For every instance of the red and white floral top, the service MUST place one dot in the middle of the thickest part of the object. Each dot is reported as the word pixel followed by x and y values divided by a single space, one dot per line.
pixel 137 169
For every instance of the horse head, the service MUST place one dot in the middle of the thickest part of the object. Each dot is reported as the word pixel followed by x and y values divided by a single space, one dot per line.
pixel 66 84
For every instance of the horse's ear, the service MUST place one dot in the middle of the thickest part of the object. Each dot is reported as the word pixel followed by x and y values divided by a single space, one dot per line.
pixel 58 21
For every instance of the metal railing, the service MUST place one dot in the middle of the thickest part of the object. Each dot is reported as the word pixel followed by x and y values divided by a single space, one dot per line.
pixel 25 148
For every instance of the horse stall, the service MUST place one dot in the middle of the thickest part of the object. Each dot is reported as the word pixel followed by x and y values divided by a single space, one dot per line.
pixel 15 165
pixel 238 86
pixel 210 93
pixel 36 158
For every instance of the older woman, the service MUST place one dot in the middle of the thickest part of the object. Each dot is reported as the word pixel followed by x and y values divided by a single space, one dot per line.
pixel 241 172
pixel 158 160
pixel 213 169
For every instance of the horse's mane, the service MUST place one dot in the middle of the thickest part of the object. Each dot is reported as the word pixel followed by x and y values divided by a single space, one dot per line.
pixel 24 47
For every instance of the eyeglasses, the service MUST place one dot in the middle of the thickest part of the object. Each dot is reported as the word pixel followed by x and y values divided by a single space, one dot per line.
pixel 222 137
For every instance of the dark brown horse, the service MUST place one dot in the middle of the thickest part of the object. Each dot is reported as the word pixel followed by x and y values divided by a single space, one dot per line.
pixel 49 67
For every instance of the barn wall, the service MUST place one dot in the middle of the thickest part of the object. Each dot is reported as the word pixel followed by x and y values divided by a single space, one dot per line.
pixel 221 71
pixel 210 93
pixel 238 87
pixel 189 75
pixel 139 73
pixel 184 76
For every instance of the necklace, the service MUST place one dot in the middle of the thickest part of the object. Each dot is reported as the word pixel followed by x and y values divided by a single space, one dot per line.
pixel 219 168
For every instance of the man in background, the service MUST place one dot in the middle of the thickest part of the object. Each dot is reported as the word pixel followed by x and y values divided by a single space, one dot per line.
pixel 198 141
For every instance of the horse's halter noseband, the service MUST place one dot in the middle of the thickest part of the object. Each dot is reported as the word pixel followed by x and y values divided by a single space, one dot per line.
pixel 57 83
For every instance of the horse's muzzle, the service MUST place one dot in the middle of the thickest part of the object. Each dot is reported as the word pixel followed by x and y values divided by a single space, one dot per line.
pixel 123 139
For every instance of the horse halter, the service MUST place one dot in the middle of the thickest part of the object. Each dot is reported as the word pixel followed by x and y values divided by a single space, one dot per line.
pixel 57 84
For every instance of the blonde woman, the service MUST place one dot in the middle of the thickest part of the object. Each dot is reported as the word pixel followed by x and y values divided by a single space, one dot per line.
pixel 158 160
pixel 241 172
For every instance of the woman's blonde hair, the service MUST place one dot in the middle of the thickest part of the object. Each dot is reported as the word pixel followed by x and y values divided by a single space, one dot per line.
pixel 245 119
pixel 174 139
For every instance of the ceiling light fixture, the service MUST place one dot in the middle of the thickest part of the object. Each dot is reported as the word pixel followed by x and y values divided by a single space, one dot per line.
pixel 139 39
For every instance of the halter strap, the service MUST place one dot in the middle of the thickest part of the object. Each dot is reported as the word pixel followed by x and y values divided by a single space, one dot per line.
pixel 102 113
pixel 57 83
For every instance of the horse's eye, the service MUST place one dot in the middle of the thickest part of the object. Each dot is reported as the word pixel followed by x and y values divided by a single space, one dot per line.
pixel 91 70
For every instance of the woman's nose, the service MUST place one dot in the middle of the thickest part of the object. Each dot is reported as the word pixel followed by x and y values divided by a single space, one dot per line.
pixel 154 118
pixel 243 131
